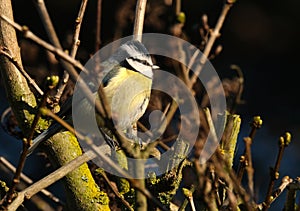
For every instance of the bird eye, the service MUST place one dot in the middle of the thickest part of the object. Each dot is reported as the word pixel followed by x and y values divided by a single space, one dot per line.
pixel 145 62
pixel 141 61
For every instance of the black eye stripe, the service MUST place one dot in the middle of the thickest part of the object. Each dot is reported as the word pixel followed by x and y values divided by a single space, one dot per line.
pixel 142 61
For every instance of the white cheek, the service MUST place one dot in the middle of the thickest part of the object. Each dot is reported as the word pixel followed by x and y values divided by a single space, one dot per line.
pixel 144 69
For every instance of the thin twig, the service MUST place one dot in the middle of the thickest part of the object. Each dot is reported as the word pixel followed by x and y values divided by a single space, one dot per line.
pixel 255 125
pixel 6 52
pixel 232 199
pixel 219 163
pixel 286 181
pixel 60 121
pixel 284 141
pixel 74 48
pixel 50 179
pixel 30 35
pixel 115 190
pixel 64 170
pixel 231 180
pixel 78 23
pixel 26 179
pixel 249 167
pixel 73 73
pixel 211 125
pixel 42 10
pixel 188 198
pixel 215 33
pixel 55 41
pixel 98 25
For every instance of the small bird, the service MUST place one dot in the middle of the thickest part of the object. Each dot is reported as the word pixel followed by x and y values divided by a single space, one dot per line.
pixel 127 85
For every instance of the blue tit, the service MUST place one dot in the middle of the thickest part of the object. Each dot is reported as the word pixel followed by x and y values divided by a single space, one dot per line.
pixel 127 85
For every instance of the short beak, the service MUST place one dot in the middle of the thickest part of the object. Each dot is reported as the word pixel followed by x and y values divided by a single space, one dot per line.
pixel 155 67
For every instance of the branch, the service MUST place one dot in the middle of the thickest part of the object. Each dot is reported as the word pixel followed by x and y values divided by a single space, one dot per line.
pixel 139 19
pixel 255 125
pixel 249 166
pixel 26 179
pixel 63 146
pixel 215 33
pixel 74 49
pixel 94 149
pixel 283 142
pixel 98 25
pixel 285 183
pixel 114 189
pixel 83 86
pixel 50 179
pixel 29 35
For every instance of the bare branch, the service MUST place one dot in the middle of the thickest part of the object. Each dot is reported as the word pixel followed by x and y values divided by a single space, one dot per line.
pixel 283 142
pixel 249 166
pixel 29 35
pixel 139 19
pixel 76 43
pixel 286 181
pixel 115 190
pixel 255 125
pixel 26 179
pixel 98 25
pixel 215 33
pixel 50 179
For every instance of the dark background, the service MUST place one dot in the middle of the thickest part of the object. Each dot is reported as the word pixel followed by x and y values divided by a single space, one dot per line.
pixel 262 37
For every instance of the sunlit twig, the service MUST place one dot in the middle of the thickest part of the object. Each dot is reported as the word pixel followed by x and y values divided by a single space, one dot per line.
pixel 29 181
pixel 74 48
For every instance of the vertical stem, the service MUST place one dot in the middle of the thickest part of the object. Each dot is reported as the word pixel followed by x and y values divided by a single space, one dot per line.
pixel 274 172
pixel 139 19
pixel 75 45
pixel 141 199
pixel 78 24
pixel 255 124
pixel 249 167
pixel 98 25
pixel 178 7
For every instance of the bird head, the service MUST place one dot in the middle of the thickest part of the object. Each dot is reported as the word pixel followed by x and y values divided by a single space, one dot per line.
pixel 137 57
